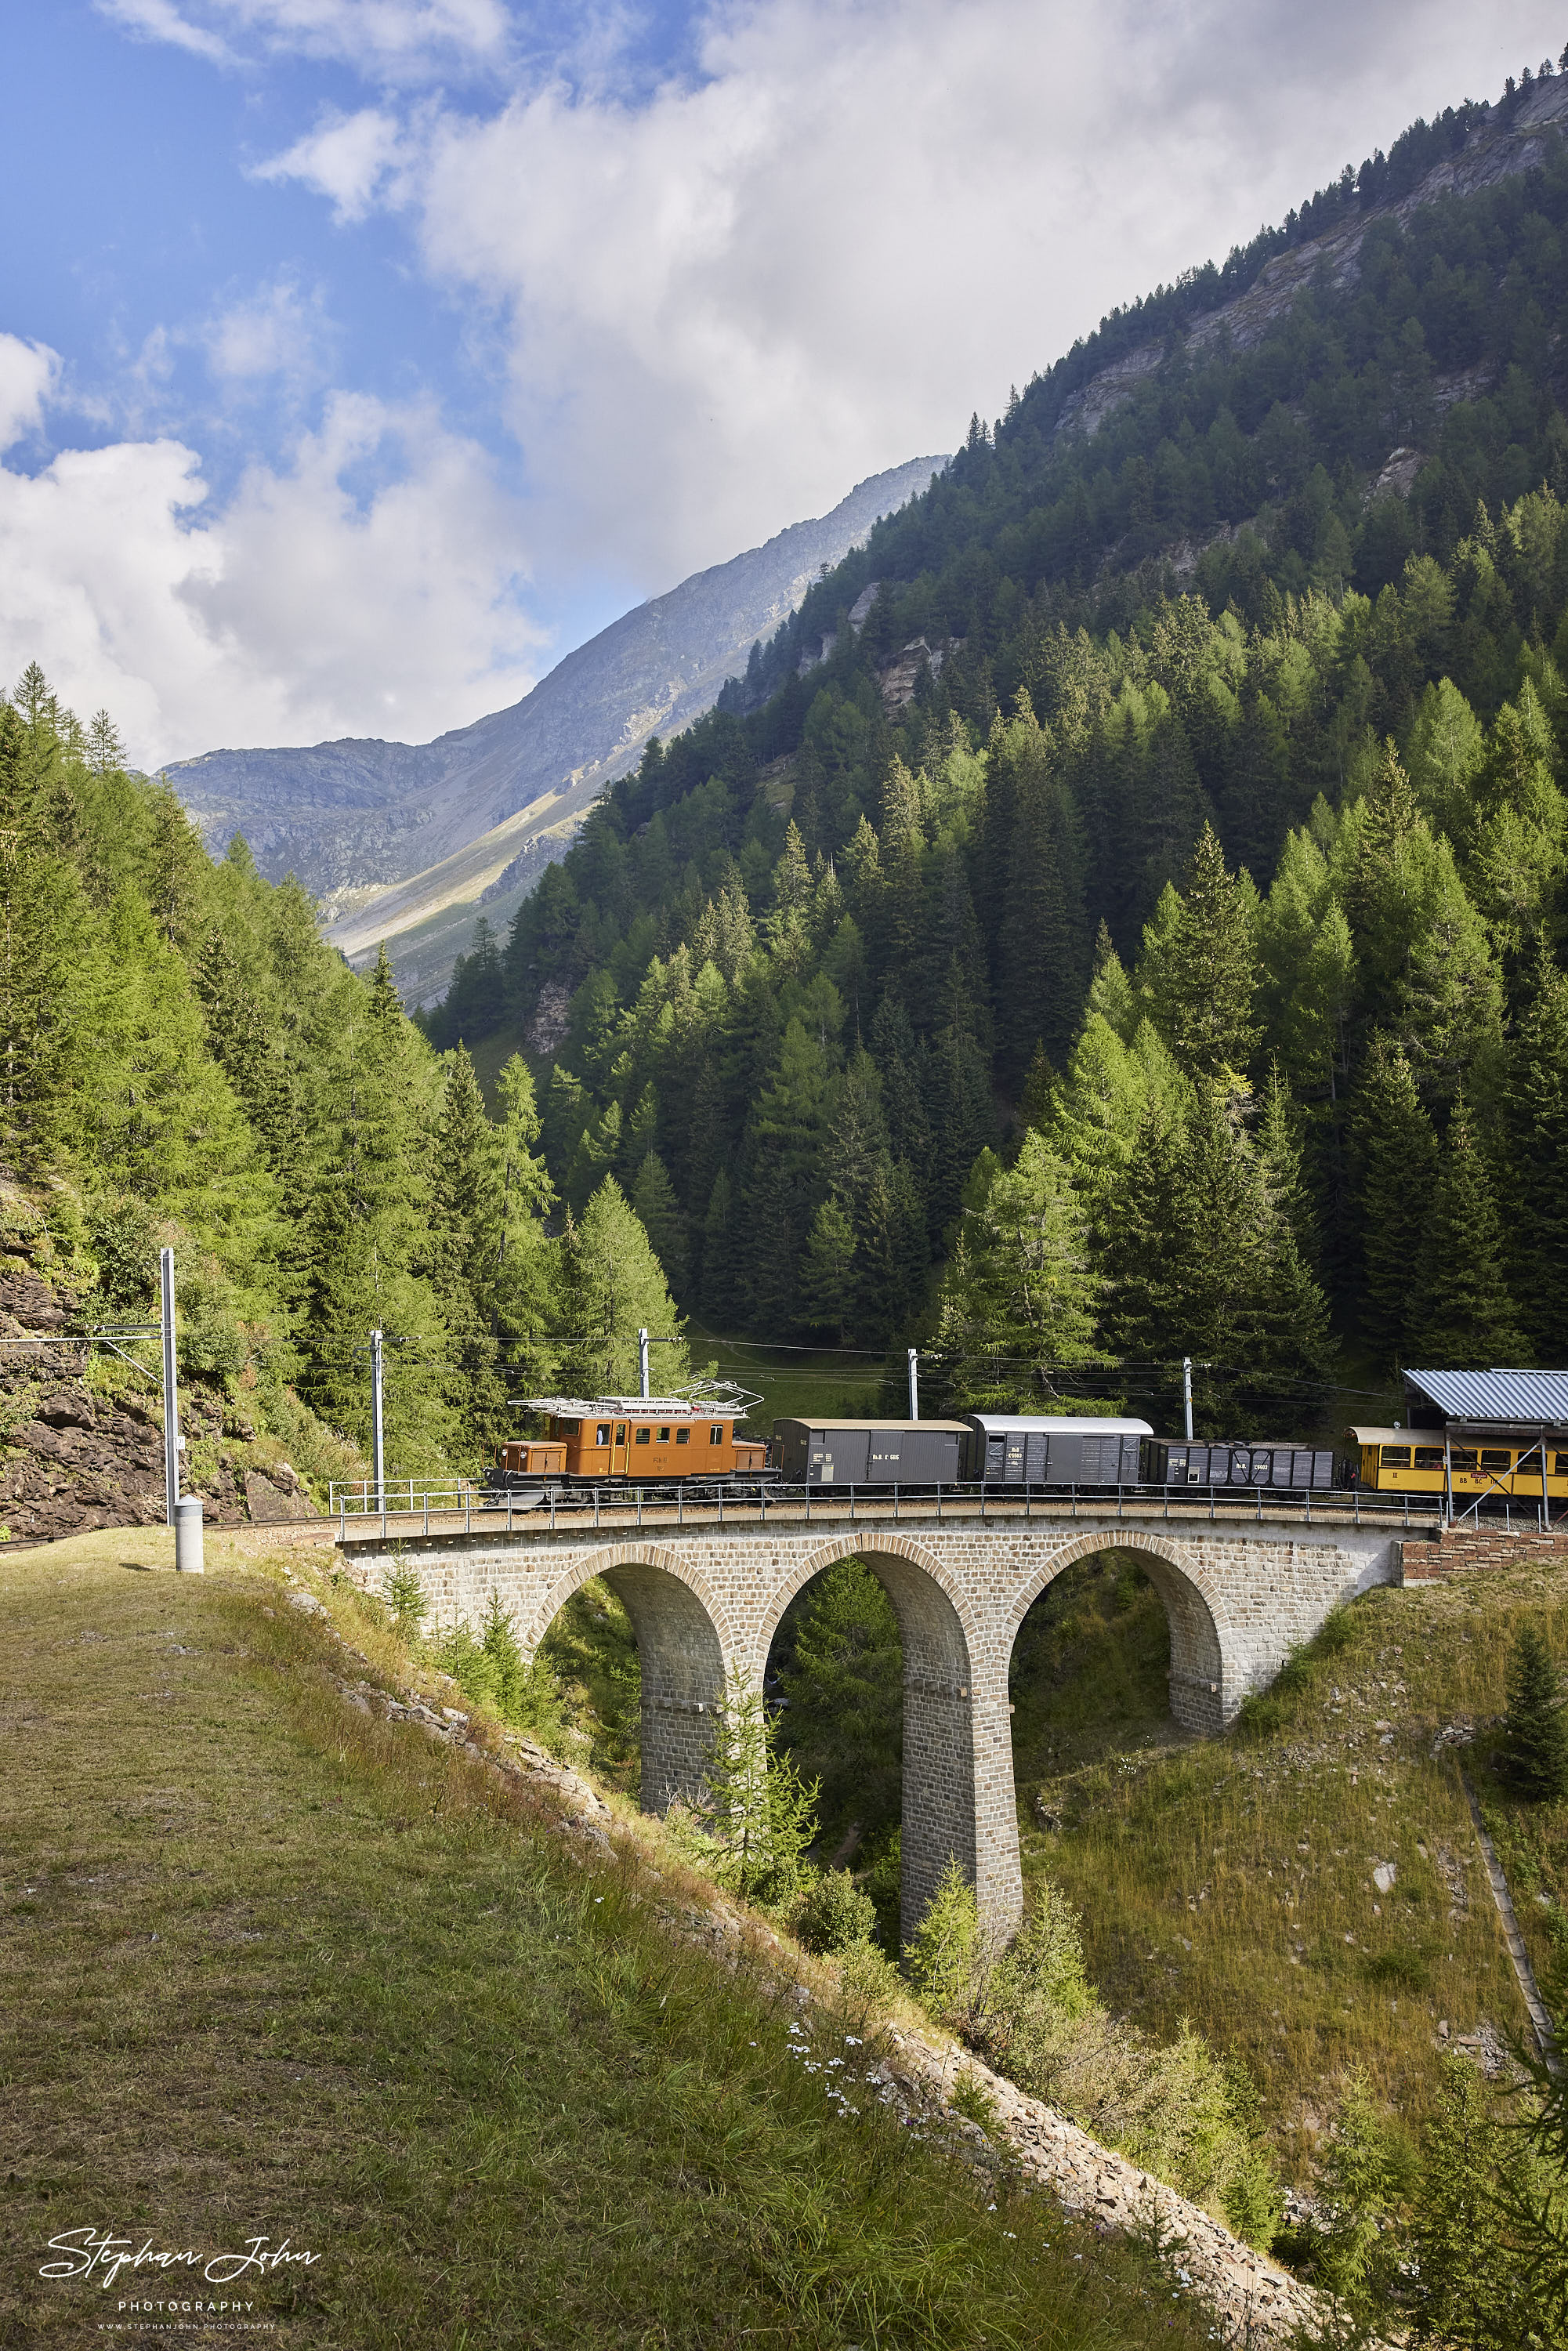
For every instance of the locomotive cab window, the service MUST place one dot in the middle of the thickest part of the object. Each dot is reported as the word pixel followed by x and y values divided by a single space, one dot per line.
pixel 716 1432
pixel 602 1434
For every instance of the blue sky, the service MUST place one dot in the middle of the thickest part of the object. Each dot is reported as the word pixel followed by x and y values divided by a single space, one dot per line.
pixel 360 357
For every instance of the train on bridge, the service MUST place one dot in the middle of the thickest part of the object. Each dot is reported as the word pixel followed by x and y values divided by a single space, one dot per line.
pixel 1472 1438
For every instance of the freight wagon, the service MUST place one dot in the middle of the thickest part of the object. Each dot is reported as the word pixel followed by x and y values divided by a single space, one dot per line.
pixel 1300 1469
pixel 1053 1449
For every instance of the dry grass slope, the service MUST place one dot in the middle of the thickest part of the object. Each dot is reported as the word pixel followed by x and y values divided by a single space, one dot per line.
pixel 271 1966
pixel 1233 1883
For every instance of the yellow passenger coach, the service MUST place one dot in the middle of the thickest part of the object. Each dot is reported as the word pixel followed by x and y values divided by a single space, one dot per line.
pixel 1472 1437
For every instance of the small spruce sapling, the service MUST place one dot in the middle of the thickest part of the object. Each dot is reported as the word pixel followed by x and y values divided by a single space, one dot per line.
pixel 760 1816
pixel 404 1596
pixel 1535 1739
pixel 943 1958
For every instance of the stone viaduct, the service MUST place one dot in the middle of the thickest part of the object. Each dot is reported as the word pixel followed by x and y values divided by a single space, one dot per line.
pixel 706 1597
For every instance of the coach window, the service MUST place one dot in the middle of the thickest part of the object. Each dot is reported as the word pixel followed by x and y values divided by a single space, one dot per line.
pixel 683 1437
pixel 601 1435
pixel 1497 1459
pixel 716 1432
pixel 1396 1457
pixel 1560 1465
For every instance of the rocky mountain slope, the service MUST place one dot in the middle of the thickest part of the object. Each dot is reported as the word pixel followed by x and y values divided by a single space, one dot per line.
pixel 79 1451
pixel 394 835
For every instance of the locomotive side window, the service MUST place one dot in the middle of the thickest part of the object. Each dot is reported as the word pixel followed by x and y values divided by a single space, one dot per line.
pixel 602 1434
pixel 683 1437
pixel 716 1432
pixel 1396 1457
pixel 643 1435
pixel 664 1437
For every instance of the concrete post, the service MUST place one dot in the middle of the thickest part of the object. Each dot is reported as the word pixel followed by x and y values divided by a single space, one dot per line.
pixel 188 1558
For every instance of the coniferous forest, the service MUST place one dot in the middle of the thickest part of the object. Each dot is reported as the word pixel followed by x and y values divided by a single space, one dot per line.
pixel 1121 914
pixel 187 1063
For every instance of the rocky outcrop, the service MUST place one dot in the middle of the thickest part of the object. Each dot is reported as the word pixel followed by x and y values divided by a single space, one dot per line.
pixel 73 1456
pixel 1495 150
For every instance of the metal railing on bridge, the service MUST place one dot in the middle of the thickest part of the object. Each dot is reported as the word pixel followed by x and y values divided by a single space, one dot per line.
pixel 436 1503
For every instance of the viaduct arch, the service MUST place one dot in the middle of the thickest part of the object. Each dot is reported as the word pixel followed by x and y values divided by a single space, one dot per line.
pixel 706 1600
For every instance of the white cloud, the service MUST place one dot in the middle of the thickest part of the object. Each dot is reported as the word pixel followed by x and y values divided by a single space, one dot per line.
pixel 347 158
pixel 301 610
pixel 858 221
pixel 160 20
pixel 395 38
pixel 29 372
pixel 275 331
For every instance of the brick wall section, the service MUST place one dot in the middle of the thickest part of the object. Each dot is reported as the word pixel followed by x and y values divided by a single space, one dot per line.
pixel 706 1602
pixel 1462 1550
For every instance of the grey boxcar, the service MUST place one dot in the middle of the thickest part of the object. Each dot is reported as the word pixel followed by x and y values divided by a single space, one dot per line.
pixel 868 1452
pixel 1053 1449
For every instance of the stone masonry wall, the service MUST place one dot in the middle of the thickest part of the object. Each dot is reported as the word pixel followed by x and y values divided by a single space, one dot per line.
pixel 706 1601
pixel 1467 1549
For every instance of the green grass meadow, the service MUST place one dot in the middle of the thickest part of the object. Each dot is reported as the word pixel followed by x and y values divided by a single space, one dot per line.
pixel 271 1967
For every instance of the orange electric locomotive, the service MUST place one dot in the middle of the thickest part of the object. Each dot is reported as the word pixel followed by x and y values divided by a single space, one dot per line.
pixel 634 1440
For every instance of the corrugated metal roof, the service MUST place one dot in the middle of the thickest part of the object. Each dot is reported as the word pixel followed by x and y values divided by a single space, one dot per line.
pixel 1497 1396
pixel 1045 1423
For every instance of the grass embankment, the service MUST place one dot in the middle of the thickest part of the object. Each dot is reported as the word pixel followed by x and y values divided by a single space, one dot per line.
pixel 272 1966
pixel 1231 1881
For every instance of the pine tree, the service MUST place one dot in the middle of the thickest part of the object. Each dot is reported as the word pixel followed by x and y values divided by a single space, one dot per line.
pixel 721 1282
pixel 1397 1153
pixel 1469 2280
pixel 1536 1101
pixel 828 1283
pixel 1535 1734
pixel 658 1211
pixel 611 1286
pixel 1018 1303
pixel 1202 975
pixel 527 1257
pixel 467 1234
pixel 1463 1313
pixel 1357 2181
pixel 758 1816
